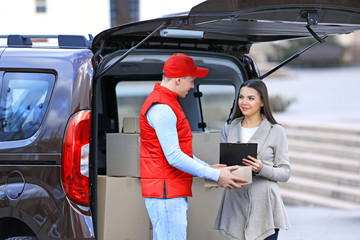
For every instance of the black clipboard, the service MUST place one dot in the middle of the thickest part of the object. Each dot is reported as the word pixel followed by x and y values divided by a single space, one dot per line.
pixel 232 153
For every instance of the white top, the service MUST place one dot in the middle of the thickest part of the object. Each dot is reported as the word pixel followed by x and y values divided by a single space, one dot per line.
pixel 247 133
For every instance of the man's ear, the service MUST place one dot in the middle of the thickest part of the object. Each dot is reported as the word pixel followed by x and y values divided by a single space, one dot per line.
pixel 177 81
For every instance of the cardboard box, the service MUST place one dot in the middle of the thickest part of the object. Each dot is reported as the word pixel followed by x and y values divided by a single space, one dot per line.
pixel 206 146
pixel 122 213
pixel 203 209
pixel 131 125
pixel 244 172
pixel 123 154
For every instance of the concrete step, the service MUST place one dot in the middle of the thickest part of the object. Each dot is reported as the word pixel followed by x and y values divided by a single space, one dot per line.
pixel 346 139
pixel 321 188
pixel 324 148
pixel 334 176
pixel 291 197
pixel 325 161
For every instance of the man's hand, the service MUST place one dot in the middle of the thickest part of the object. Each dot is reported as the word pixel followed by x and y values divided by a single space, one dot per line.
pixel 218 165
pixel 227 180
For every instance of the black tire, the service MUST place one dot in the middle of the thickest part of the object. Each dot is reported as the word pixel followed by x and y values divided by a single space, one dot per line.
pixel 22 238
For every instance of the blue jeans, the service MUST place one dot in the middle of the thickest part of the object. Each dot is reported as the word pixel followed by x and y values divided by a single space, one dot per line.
pixel 168 217
pixel 274 236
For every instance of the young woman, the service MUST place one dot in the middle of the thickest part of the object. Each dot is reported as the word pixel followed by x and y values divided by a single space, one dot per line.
pixel 256 211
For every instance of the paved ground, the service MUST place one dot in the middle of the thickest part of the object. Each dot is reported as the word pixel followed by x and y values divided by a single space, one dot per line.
pixel 329 96
pixel 315 223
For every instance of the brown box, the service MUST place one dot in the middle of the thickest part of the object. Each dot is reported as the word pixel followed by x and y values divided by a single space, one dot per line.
pixel 131 125
pixel 122 213
pixel 123 152
pixel 206 146
pixel 203 208
pixel 244 172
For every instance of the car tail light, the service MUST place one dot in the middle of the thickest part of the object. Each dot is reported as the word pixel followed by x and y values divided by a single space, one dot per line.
pixel 75 160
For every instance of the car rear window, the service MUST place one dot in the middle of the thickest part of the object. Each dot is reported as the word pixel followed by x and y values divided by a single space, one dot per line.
pixel 130 98
pixel 216 104
pixel 216 101
pixel 23 103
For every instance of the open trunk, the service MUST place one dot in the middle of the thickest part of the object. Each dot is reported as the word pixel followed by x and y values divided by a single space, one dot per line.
pixel 218 34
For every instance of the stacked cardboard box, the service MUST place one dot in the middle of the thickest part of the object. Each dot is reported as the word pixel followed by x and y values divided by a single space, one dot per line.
pixel 121 209
pixel 123 152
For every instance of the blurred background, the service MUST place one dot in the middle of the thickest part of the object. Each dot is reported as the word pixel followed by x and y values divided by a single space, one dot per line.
pixel 316 98
pixel 334 64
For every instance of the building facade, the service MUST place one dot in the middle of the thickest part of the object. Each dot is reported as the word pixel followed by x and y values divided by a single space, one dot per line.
pixel 124 11
pixel 54 16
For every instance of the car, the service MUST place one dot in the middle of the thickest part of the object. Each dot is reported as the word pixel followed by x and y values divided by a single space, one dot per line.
pixel 69 137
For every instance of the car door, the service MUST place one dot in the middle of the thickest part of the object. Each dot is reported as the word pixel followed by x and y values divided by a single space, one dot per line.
pixel 1 51
pixel 219 26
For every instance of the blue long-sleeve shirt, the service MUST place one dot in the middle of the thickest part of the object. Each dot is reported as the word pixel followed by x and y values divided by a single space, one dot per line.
pixel 162 118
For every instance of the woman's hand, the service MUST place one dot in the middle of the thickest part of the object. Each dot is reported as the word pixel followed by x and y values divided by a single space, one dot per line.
pixel 254 163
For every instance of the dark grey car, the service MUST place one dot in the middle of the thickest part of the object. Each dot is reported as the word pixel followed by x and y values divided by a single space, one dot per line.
pixel 59 105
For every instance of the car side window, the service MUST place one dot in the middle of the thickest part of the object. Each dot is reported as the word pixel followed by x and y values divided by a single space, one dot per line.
pixel 216 103
pixel 23 103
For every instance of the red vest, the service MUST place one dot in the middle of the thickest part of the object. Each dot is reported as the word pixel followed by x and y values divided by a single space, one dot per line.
pixel 158 178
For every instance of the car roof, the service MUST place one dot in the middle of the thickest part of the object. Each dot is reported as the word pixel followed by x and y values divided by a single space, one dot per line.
pixel 236 24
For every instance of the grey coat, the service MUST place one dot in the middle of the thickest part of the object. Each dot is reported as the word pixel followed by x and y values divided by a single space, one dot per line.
pixel 254 211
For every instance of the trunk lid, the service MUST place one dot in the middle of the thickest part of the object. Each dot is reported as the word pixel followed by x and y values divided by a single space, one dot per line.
pixel 233 25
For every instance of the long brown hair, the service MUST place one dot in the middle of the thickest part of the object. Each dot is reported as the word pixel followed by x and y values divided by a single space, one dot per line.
pixel 261 88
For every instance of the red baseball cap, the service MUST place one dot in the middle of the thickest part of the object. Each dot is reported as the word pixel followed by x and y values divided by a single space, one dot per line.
pixel 181 65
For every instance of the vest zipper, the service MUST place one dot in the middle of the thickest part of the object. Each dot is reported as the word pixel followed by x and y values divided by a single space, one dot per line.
pixel 164 190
